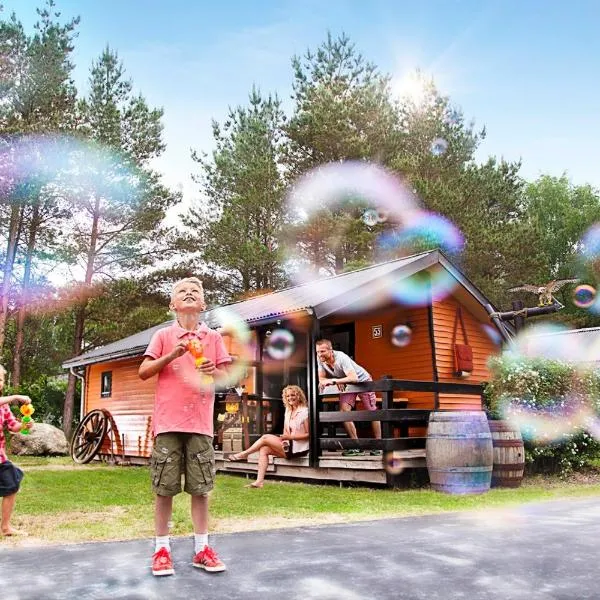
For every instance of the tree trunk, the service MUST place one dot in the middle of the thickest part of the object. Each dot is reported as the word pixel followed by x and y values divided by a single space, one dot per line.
pixel 11 251
pixel 80 322
pixel 33 228
pixel 68 409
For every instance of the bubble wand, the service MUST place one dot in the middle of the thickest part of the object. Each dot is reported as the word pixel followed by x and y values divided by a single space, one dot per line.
pixel 196 349
pixel 26 410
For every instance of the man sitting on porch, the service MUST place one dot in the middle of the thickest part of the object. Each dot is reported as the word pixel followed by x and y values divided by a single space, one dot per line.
pixel 337 368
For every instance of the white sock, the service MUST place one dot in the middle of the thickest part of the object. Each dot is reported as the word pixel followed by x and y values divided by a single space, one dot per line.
pixel 200 541
pixel 162 541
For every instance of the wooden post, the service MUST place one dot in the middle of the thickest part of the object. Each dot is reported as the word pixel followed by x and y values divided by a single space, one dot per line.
pixel 314 403
pixel 387 398
pixel 518 320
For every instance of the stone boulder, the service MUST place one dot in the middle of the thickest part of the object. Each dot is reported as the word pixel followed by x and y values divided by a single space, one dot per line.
pixel 42 440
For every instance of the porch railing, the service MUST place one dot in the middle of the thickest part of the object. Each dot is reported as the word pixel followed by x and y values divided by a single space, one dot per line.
pixel 388 415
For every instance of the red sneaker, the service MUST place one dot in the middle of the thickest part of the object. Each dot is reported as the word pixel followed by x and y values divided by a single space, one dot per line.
pixel 208 560
pixel 162 564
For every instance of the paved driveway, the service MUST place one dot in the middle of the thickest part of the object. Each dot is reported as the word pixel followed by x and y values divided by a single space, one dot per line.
pixel 534 552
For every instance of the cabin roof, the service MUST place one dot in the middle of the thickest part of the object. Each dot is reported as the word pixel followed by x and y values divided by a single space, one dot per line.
pixel 321 298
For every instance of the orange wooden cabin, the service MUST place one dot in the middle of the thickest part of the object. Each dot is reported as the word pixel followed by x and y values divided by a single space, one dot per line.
pixel 358 312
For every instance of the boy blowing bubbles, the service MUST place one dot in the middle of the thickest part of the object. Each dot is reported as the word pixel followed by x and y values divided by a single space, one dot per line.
pixel 10 475
pixel 183 422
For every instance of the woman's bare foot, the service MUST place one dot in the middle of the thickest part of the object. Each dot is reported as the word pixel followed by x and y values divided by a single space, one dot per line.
pixel 236 458
pixel 254 485
pixel 9 531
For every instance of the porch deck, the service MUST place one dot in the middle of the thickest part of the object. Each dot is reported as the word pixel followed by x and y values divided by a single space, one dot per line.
pixel 332 466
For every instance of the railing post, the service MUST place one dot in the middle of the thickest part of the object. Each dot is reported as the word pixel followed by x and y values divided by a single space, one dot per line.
pixel 314 399
pixel 387 397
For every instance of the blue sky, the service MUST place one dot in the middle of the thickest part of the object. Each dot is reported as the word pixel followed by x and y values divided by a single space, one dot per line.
pixel 526 69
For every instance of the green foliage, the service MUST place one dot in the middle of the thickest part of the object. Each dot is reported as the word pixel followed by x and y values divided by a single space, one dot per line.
pixel 343 111
pixel 47 396
pixel 560 213
pixel 238 230
pixel 551 400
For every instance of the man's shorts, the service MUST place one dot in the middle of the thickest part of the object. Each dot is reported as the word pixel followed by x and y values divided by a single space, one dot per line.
pixel 10 479
pixel 190 454
pixel 368 400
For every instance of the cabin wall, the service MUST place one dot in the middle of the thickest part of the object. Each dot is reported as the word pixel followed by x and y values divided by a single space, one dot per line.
pixel 129 396
pixel 444 313
pixel 130 403
pixel 379 356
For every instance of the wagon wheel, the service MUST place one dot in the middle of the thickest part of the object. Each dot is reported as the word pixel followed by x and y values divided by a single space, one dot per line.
pixel 89 436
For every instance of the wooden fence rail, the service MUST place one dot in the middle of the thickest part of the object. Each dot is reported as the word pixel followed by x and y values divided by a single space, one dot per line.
pixel 387 415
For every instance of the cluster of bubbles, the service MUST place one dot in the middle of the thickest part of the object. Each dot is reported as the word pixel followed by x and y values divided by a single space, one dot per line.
pixel 76 166
pixel 280 345
pixel 565 414
pixel 330 202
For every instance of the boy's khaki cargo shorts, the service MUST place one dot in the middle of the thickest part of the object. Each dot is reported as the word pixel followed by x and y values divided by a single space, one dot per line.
pixel 179 453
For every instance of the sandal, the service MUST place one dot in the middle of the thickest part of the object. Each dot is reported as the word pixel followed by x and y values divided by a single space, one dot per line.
pixel 235 458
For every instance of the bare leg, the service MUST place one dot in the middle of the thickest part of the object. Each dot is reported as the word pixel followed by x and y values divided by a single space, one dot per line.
pixel 8 503
pixel 376 425
pixel 348 425
pixel 263 463
pixel 163 509
pixel 269 440
pixel 200 513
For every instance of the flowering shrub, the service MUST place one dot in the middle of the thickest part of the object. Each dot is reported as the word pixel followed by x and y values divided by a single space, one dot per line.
pixel 556 406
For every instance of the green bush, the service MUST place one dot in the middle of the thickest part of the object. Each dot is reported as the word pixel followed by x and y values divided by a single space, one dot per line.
pixel 552 401
pixel 48 397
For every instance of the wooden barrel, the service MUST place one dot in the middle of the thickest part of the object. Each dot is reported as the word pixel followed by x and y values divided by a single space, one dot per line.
pixel 459 452
pixel 509 454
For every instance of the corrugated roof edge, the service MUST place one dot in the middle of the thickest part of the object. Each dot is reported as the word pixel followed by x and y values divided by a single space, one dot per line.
pixel 97 354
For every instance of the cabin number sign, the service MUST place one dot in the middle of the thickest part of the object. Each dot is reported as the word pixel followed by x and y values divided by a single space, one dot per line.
pixel 376 331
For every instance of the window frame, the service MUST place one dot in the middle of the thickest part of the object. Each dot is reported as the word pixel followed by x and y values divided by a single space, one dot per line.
pixel 103 392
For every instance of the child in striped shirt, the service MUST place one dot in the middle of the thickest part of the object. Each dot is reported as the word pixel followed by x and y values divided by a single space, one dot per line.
pixel 10 475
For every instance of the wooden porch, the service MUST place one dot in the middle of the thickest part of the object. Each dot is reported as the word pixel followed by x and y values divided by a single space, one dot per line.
pixel 332 466
pixel 403 451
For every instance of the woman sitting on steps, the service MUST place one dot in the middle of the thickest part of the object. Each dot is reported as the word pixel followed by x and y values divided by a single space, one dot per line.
pixel 292 443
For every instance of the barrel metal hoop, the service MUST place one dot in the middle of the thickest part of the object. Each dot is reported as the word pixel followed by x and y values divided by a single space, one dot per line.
pixel 484 469
pixel 460 436
pixel 510 467
pixel 507 443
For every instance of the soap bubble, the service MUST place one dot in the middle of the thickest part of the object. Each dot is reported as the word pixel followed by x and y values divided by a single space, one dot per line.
pixel 280 345
pixel 393 462
pixel 584 296
pixel 438 147
pixel 401 336
pixel 370 217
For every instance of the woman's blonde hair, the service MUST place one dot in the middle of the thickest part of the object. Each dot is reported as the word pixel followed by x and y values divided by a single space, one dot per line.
pixel 298 390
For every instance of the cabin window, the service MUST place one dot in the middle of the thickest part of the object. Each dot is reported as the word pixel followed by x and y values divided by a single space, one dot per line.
pixel 106 384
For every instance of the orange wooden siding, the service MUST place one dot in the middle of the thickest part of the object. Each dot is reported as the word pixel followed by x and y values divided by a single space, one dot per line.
pixel 444 313
pixel 131 403
pixel 380 357
pixel 129 396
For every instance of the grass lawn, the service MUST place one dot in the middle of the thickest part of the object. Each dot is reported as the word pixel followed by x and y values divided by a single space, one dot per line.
pixel 62 502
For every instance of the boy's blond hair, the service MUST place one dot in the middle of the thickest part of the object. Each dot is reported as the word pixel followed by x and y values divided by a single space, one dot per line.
pixel 193 280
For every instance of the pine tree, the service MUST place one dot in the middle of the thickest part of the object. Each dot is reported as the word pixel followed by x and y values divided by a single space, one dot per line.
pixel 118 201
pixel 238 229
